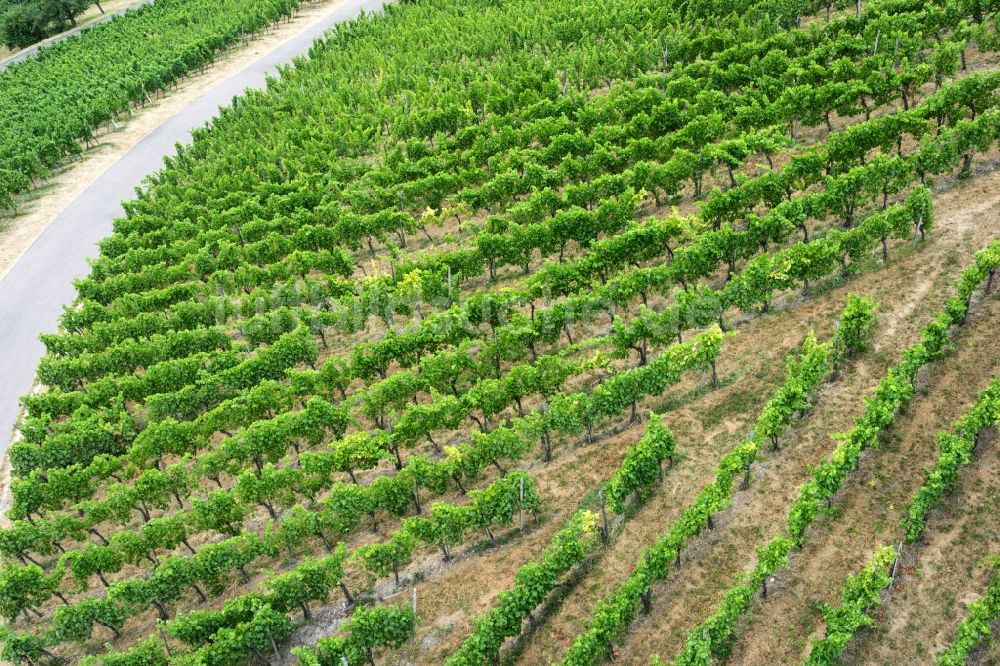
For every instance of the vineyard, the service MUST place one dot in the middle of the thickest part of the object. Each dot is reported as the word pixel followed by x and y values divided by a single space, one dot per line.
pixel 526 332
pixel 55 104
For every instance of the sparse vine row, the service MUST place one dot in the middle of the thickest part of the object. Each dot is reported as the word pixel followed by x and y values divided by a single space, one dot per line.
pixel 863 593
pixel 712 638
pixel 806 371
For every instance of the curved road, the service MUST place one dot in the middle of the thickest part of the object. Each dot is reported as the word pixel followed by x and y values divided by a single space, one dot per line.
pixel 35 289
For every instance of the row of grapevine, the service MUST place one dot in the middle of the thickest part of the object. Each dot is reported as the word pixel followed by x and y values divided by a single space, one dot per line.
pixel 862 592
pixel 49 399
pixel 532 584
pixel 212 567
pixel 616 612
pixel 640 468
pixel 72 87
pixel 957 448
pixel 222 512
pixel 713 637
pixel 859 594
pixel 274 486
pixel 975 628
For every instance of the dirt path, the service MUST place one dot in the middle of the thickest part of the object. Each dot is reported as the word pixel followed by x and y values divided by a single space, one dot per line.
pixel 17 233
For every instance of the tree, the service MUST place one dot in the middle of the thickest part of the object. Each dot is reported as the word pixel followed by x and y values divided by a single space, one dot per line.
pixel 857 322
pixel 24 538
pixel 23 647
pixel 259 635
pixel 446 527
pixel 66 9
pixel 31 21
pixel 501 500
pixel 22 25
pixel 214 564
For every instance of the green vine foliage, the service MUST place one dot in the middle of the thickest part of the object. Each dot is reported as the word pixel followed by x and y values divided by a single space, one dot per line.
pixel 859 595
pixel 532 584
pixel 368 630
pixel 805 371
pixel 977 626
pixel 713 638
pixel 196 375
pixel 957 448
pixel 892 394
pixel 642 466
pixel 856 327
pixel 862 592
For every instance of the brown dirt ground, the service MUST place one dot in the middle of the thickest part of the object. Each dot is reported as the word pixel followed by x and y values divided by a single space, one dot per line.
pixel 943 573
pixel 866 513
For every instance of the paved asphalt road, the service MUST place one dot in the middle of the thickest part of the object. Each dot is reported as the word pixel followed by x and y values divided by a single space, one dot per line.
pixel 32 50
pixel 36 288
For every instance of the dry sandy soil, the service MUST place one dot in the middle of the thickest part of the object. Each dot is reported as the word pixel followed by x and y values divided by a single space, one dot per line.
pixel 17 233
